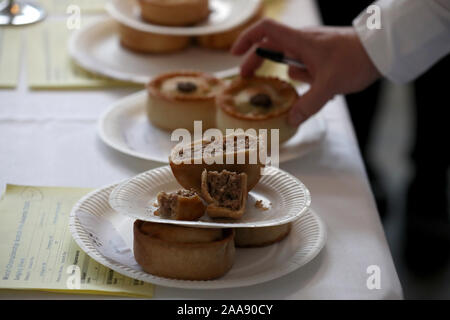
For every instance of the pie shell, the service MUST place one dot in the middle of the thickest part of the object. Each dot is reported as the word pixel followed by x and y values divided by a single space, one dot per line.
pixel 173 112
pixel 214 210
pixel 260 237
pixel 188 208
pixel 183 260
pixel 224 40
pixel 174 13
pixel 147 42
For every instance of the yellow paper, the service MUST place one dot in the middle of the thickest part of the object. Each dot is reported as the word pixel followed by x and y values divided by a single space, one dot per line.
pixel 49 64
pixel 37 249
pixel 10 47
pixel 85 6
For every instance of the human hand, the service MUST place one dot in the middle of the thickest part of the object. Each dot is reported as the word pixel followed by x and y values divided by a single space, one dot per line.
pixel 335 60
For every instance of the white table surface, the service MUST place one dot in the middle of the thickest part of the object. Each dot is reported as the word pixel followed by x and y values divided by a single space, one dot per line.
pixel 49 138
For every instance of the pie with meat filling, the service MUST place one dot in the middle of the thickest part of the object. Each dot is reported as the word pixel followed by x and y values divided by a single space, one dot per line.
pixel 176 100
pixel 258 103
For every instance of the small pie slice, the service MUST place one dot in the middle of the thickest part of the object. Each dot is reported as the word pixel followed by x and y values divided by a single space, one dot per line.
pixel 180 205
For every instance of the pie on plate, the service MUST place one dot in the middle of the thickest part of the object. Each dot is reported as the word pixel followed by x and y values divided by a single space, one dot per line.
pixel 190 160
pixel 183 253
pixel 225 192
pixel 177 99
pixel 224 40
pixel 258 103
pixel 174 12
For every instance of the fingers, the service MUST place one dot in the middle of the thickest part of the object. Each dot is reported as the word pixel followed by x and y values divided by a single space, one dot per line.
pixel 300 74
pixel 253 61
pixel 307 105
pixel 274 31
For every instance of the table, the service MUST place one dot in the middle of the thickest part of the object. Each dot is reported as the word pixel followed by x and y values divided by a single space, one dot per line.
pixel 49 138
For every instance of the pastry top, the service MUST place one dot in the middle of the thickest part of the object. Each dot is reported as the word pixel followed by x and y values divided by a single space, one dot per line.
pixel 185 86
pixel 257 98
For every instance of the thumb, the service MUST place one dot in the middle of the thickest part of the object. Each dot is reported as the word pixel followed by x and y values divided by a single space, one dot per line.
pixel 307 105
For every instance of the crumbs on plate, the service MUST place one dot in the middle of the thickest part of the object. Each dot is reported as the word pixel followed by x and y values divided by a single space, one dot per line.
pixel 260 205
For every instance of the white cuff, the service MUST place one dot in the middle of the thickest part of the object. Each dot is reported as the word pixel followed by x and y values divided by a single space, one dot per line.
pixel 414 35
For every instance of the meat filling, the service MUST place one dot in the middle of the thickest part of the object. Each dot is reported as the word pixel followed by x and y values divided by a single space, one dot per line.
pixel 168 201
pixel 225 188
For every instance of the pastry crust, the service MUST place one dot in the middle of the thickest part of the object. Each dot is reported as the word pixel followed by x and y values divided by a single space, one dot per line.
pixel 169 108
pixel 174 12
pixel 188 168
pixel 215 208
pixel 175 233
pixel 260 237
pixel 179 258
pixel 238 108
pixel 224 40
pixel 147 42
pixel 181 205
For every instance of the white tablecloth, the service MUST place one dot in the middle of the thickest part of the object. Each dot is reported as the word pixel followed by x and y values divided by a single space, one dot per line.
pixel 49 138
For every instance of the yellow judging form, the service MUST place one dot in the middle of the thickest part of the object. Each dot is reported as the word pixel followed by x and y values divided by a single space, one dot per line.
pixel 10 50
pixel 37 251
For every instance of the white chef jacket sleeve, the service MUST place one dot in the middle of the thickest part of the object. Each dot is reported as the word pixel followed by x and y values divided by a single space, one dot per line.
pixel 414 35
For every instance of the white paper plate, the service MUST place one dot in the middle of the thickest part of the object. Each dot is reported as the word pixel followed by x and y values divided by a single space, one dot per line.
pixel 124 127
pixel 107 237
pixel 225 15
pixel 96 47
pixel 289 199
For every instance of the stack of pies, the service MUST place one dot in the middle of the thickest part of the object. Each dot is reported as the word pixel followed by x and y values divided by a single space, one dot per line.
pixel 177 13
pixel 183 253
pixel 217 190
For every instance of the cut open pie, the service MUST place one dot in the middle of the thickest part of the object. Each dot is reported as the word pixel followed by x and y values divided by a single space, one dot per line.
pixel 260 237
pixel 238 152
pixel 225 192
pixel 180 205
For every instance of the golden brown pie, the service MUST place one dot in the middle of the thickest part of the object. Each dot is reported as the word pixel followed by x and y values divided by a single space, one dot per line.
pixel 224 40
pixel 180 205
pixel 225 192
pixel 176 100
pixel 258 103
pixel 184 253
pixel 260 237
pixel 147 42
pixel 174 12
pixel 189 161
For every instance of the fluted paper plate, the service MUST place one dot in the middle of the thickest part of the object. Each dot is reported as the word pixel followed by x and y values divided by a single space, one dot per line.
pixel 107 237
pixel 125 128
pixel 96 47
pixel 285 197
pixel 225 15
